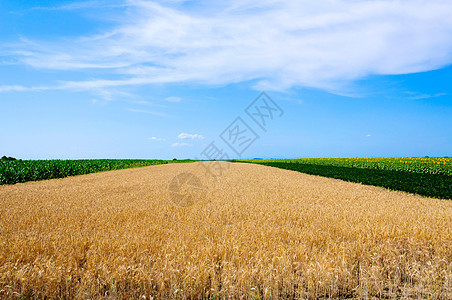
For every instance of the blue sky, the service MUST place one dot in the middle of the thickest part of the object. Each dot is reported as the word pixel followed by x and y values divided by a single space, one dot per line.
pixel 163 79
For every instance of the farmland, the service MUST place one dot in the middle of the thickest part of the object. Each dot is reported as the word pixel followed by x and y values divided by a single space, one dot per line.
pixel 255 233
pixel 427 176
pixel 15 171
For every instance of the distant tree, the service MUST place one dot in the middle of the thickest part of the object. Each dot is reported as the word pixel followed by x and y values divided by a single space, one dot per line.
pixel 174 158
pixel 4 157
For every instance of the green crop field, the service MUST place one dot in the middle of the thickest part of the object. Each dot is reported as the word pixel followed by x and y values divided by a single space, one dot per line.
pixel 15 171
pixel 427 176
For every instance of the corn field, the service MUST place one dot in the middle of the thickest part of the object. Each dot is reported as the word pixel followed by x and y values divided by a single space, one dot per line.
pixel 15 171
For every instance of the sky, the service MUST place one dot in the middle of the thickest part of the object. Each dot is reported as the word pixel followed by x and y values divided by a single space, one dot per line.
pixel 225 79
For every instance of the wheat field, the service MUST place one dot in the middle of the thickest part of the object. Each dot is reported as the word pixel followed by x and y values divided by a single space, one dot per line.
pixel 255 232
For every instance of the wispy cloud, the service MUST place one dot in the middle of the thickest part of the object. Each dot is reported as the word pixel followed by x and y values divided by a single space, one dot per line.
pixel 20 88
pixel 173 99
pixel 416 96
pixel 181 145
pixel 278 44
pixel 194 136
pixel 156 139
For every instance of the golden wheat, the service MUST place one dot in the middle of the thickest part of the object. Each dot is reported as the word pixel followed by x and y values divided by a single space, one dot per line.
pixel 256 232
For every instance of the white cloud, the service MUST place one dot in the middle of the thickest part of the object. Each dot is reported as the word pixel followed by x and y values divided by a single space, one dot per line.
pixel 276 43
pixel 416 96
pixel 368 135
pixel 184 135
pixel 14 88
pixel 173 99
pixel 156 139
pixel 181 145
pixel 20 88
